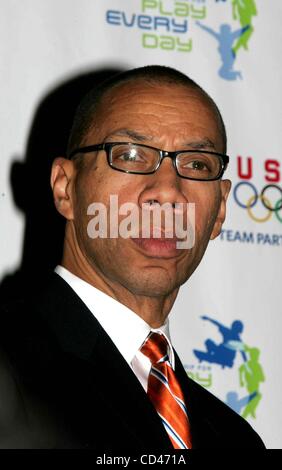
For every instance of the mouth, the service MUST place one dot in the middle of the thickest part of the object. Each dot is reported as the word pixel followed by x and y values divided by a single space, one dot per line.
pixel 159 247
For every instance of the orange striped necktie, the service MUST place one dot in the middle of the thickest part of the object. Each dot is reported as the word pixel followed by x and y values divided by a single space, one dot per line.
pixel 165 393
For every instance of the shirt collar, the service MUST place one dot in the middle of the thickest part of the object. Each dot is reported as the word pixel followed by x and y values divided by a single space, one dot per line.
pixel 126 329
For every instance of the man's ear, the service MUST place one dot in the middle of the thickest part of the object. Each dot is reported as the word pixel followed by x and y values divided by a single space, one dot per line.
pixel 225 189
pixel 62 178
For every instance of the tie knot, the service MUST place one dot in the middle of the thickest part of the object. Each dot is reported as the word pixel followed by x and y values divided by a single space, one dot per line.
pixel 155 347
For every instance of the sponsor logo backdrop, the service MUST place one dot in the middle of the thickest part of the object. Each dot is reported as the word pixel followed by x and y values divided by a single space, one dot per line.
pixel 226 322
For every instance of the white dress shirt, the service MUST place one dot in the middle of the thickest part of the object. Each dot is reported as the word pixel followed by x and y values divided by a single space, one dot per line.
pixel 126 329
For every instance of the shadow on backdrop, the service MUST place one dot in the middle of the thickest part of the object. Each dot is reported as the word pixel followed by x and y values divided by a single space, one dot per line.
pixel 30 181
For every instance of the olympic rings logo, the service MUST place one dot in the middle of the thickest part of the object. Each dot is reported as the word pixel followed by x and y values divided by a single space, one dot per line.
pixel 262 197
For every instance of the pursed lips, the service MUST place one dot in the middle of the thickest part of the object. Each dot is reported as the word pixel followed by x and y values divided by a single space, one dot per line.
pixel 160 244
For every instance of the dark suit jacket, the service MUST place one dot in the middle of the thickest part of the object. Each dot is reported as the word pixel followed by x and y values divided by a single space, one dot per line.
pixel 64 384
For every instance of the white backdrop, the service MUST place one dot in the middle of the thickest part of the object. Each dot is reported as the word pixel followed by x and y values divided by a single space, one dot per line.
pixel 44 43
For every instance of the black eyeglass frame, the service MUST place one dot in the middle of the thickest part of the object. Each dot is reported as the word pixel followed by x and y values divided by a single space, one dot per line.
pixel 107 147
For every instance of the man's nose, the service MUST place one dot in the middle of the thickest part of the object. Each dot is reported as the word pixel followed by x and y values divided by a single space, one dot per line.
pixel 163 186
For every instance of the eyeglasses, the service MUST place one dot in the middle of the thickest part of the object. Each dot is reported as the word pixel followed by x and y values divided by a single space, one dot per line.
pixel 200 165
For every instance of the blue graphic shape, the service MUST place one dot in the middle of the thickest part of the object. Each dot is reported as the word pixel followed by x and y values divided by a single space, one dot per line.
pixel 224 353
pixel 236 403
pixel 226 37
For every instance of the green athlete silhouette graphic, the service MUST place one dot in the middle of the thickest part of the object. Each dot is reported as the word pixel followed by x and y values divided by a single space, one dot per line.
pixel 251 375
pixel 244 10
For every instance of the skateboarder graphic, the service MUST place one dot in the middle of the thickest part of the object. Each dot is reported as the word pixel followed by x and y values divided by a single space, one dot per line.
pixel 224 353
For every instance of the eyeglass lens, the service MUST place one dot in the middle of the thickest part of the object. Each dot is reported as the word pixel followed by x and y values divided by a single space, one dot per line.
pixel 142 159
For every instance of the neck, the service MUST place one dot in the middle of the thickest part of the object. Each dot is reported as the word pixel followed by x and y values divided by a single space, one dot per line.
pixel 153 310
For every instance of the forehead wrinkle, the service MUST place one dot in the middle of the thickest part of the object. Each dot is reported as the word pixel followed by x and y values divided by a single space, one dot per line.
pixel 195 142
pixel 139 98
pixel 142 108
pixel 169 104
pixel 136 94
pixel 165 113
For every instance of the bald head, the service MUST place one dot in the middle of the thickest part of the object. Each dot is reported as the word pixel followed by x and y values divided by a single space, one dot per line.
pixel 87 114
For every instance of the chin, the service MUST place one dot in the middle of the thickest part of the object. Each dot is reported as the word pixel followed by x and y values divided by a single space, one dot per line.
pixel 152 285
pixel 153 291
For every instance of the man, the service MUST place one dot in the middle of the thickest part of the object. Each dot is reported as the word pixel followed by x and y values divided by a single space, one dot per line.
pixel 91 354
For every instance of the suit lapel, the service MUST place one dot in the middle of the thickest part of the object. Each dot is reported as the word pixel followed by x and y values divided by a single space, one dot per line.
pixel 115 386
pixel 126 397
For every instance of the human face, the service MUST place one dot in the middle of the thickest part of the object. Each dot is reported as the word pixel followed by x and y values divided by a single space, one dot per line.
pixel 171 118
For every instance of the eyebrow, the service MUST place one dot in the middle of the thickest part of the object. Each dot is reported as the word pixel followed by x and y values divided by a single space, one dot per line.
pixel 131 134
pixel 200 144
